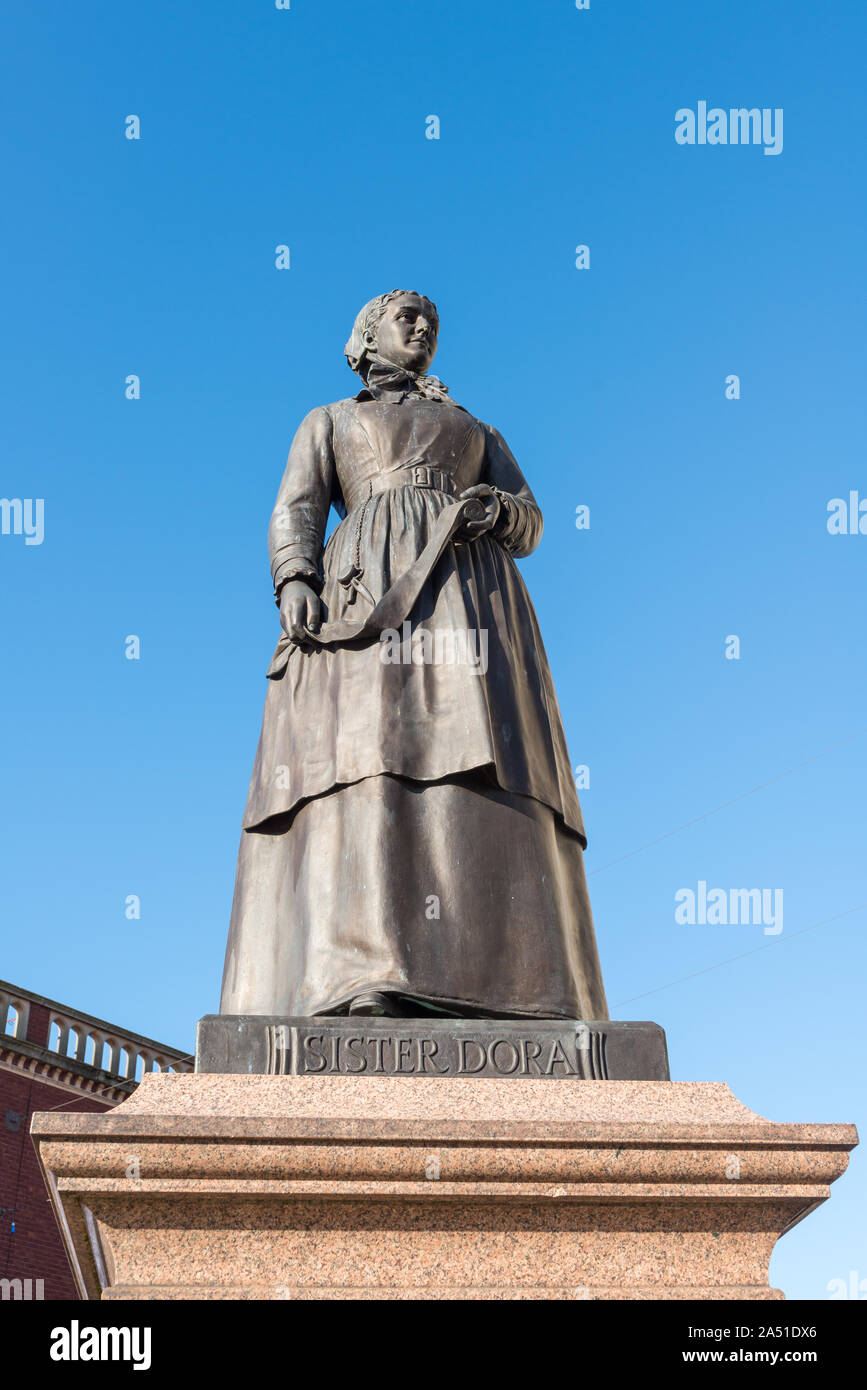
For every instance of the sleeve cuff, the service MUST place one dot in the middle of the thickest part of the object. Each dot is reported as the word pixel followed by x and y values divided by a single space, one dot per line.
pixel 296 569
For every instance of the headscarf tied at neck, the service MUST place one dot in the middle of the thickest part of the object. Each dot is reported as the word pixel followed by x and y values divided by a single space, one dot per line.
pixel 385 376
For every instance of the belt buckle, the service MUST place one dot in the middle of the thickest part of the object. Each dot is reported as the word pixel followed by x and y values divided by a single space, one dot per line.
pixel 421 475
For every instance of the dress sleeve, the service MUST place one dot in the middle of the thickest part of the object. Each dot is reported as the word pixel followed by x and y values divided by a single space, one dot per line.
pixel 298 521
pixel 519 526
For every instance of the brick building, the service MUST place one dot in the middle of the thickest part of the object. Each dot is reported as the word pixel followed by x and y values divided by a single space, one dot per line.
pixel 54 1058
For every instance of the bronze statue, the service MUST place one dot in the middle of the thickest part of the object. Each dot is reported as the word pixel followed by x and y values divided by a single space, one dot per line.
pixel 412 842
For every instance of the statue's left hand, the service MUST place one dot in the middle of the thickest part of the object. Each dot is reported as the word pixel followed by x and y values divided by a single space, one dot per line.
pixel 491 504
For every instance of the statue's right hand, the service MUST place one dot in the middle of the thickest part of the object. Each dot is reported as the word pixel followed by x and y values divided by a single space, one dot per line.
pixel 299 610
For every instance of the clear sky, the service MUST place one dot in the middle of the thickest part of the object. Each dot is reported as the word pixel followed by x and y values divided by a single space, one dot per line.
pixel 155 257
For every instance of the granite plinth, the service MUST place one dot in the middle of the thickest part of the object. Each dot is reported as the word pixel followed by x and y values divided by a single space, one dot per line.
pixel 413 1187
pixel 552 1049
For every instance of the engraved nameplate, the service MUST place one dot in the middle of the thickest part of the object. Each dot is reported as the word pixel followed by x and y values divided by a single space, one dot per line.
pixel 553 1049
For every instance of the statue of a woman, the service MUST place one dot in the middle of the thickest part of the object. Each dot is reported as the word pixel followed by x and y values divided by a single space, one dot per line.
pixel 412 841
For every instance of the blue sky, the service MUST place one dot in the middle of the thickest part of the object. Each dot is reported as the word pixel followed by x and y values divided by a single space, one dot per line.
pixel 156 257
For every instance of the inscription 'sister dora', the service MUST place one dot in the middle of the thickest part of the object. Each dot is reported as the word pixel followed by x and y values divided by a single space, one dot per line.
pixel 455 1056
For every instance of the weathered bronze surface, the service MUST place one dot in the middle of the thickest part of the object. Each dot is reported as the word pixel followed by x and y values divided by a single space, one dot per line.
pixel 412 841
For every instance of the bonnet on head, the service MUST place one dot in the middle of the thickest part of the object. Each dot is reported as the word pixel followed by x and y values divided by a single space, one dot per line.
pixel 356 350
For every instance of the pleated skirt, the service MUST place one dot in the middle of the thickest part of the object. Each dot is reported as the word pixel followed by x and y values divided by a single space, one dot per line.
pixel 454 895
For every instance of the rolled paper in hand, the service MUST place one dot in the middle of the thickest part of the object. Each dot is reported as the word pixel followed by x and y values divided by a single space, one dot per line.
pixel 475 509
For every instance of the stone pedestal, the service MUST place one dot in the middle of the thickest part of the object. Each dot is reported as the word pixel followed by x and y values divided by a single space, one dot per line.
pixel 268 1187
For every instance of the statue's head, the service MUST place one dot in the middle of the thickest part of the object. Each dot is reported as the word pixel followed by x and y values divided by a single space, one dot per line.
pixel 400 327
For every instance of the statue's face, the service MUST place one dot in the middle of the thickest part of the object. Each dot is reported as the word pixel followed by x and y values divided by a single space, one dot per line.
pixel 406 334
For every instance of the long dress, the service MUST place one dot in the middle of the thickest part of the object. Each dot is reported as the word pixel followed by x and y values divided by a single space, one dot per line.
pixel 412 825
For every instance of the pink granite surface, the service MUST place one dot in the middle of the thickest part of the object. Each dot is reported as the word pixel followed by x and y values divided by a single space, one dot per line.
pixel 402 1187
pixel 427 1098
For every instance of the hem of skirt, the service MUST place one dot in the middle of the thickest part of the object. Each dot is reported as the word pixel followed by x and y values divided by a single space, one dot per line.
pixel 456 776
pixel 444 1007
